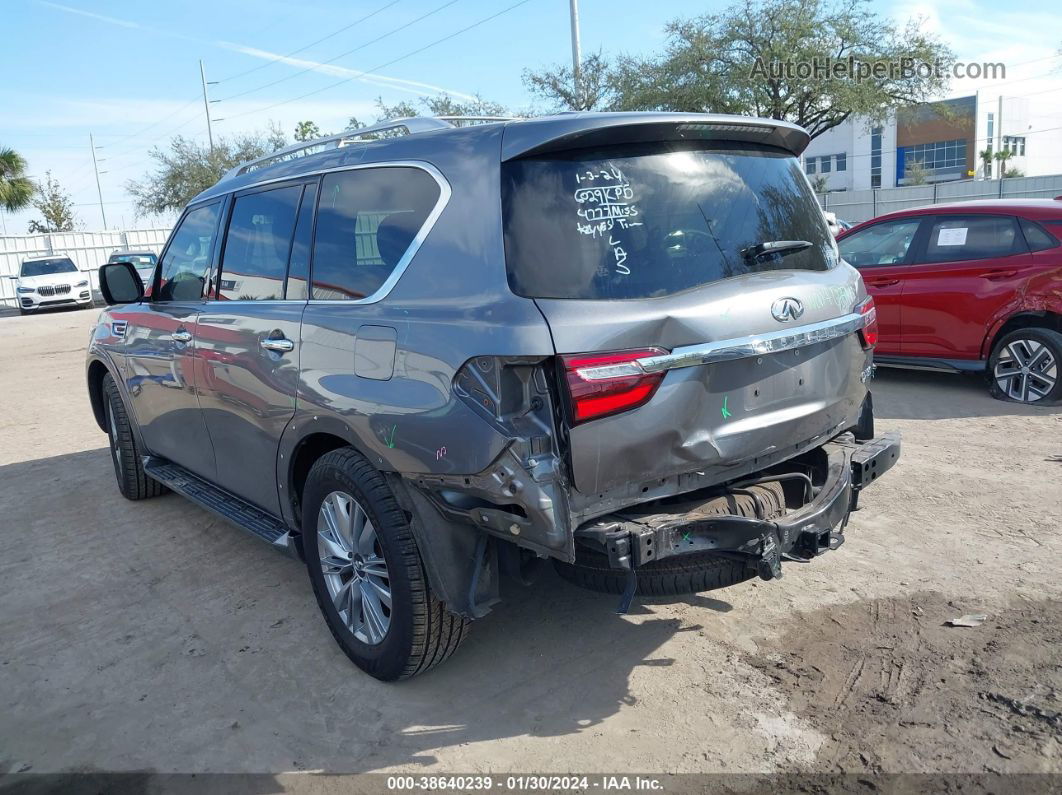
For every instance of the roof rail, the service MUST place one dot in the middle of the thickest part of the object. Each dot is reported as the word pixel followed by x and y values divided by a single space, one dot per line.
pixel 478 119
pixel 411 125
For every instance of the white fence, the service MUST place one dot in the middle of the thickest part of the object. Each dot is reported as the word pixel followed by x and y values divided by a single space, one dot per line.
pixel 88 250
pixel 862 205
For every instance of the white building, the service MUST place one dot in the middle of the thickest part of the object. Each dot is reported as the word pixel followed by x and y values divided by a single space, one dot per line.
pixel 946 139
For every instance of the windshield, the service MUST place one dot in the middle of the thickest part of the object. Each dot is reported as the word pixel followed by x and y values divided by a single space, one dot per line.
pixel 650 220
pixel 140 261
pixel 46 267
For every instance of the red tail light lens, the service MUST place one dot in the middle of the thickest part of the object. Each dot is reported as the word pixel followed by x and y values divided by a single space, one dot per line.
pixel 600 384
pixel 869 332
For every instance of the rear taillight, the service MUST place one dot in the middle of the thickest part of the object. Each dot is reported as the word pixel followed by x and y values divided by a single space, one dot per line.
pixel 869 332
pixel 600 384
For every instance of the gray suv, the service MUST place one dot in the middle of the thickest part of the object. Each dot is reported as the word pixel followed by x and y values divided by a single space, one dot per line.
pixel 426 355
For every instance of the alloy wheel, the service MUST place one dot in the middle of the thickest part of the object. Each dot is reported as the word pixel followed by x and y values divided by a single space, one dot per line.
pixel 354 568
pixel 1026 370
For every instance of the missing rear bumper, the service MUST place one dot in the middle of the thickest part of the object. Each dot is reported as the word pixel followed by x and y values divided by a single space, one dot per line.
pixel 810 523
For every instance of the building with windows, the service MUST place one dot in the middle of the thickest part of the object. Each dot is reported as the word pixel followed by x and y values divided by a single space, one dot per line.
pixel 956 139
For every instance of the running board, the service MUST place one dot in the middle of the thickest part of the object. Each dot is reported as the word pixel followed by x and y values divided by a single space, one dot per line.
pixel 220 502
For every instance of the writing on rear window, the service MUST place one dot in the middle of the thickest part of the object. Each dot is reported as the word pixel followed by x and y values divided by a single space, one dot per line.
pixel 604 204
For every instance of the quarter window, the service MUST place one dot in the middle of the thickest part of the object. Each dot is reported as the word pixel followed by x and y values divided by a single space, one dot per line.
pixel 1037 237
pixel 367 220
pixel 257 245
pixel 187 260
pixel 956 238
pixel 886 243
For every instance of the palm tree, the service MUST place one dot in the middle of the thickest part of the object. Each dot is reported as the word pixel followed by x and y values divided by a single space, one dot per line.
pixel 1003 156
pixel 986 158
pixel 16 189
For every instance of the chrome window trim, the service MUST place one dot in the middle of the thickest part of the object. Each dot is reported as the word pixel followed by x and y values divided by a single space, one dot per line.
pixel 741 347
pixel 400 268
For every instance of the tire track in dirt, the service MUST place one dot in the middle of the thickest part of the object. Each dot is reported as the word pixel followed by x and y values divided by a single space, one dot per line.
pixel 893 689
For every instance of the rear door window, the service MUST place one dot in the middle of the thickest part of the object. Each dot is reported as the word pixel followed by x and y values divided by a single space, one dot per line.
pixel 187 258
pixel 257 245
pixel 656 219
pixel 956 238
pixel 367 222
pixel 879 245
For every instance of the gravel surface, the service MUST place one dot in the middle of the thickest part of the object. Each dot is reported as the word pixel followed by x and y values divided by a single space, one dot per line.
pixel 152 637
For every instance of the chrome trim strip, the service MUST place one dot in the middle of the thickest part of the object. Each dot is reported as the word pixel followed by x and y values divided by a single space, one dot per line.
pixel 743 347
pixel 429 222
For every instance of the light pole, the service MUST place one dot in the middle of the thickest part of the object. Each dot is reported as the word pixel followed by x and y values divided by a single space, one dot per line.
pixel 577 58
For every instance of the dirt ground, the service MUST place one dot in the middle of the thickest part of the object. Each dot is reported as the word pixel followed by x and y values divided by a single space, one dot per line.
pixel 152 637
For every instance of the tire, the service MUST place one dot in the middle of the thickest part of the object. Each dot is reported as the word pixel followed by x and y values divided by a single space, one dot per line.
pixel 351 569
pixel 694 572
pixel 133 482
pixel 1037 349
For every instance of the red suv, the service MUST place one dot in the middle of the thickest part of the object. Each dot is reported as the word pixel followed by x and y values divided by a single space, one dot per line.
pixel 969 287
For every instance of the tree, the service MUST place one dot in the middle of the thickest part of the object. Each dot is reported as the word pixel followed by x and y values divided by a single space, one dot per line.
pixel 815 63
pixel 557 85
pixel 986 159
pixel 915 173
pixel 188 167
pixel 1013 173
pixel 55 205
pixel 1001 157
pixel 16 189
pixel 441 105
pixel 307 131
pixel 819 184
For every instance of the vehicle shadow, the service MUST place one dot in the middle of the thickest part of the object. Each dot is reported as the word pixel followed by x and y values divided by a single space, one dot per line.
pixel 923 395
pixel 206 651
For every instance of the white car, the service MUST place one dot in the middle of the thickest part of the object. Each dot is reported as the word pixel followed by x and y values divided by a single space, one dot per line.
pixel 46 282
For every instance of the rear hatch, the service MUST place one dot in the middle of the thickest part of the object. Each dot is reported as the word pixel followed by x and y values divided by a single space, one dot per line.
pixel 681 346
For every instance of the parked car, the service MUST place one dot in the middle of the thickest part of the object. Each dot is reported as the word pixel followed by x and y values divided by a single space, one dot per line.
pixel 836 225
pixel 623 342
pixel 143 260
pixel 47 282
pixel 969 287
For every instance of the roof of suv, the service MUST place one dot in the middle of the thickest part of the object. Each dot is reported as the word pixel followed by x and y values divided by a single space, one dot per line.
pixel 520 138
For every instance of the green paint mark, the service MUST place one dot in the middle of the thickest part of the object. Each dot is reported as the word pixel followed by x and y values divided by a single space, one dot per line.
pixel 391 440
pixel 726 412
pixel 686 536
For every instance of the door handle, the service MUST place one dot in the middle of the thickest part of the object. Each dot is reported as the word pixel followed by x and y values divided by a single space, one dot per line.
pixel 883 282
pixel 280 345
pixel 997 276
pixel 181 336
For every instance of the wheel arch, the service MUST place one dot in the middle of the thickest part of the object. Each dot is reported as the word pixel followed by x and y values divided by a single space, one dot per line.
pixel 447 549
pixel 304 454
pixel 1028 318
pixel 94 375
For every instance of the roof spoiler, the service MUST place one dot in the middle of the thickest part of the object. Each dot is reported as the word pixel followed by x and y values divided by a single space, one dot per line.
pixel 583 130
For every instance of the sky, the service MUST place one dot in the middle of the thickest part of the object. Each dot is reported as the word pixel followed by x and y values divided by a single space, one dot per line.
pixel 127 72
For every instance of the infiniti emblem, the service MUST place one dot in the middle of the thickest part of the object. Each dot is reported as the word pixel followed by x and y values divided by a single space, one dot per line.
pixel 786 309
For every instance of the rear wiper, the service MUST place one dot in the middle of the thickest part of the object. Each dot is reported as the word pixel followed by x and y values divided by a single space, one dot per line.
pixel 774 248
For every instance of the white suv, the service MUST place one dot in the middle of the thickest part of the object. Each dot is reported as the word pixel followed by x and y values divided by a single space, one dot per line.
pixel 51 281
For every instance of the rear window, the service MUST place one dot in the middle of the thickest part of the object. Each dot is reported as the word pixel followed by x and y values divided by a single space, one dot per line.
pixel 653 220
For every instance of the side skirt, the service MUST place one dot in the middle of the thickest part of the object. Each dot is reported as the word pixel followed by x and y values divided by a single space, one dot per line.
pixel 222 503
pixel 936 365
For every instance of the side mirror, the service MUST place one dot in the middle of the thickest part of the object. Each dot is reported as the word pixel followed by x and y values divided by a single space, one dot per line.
pixel 120 283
